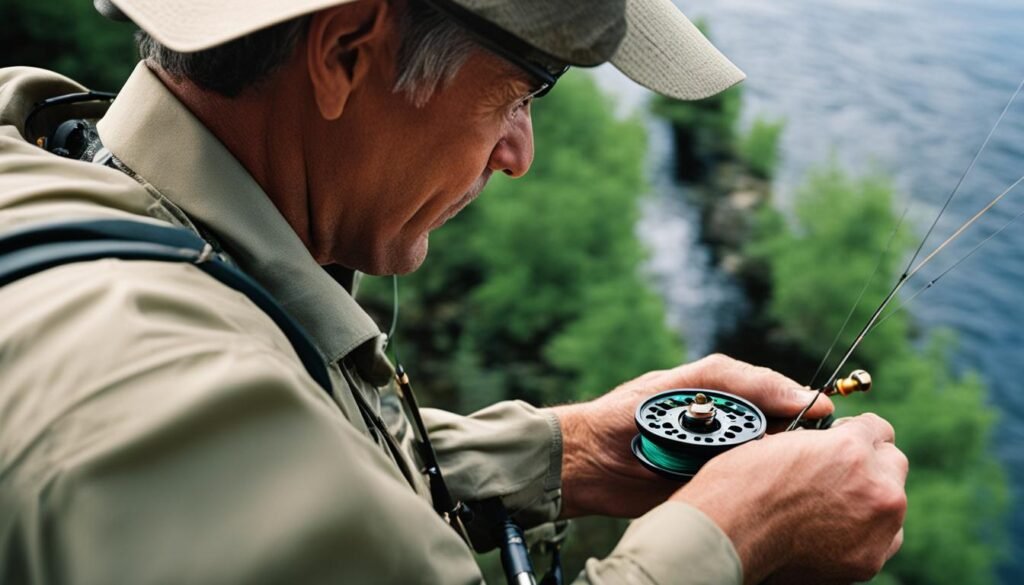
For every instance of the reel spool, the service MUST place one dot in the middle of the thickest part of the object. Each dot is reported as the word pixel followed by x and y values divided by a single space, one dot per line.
pixel 680 430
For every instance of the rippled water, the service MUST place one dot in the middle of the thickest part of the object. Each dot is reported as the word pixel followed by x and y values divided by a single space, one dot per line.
pixel 699 300
pixel 909 87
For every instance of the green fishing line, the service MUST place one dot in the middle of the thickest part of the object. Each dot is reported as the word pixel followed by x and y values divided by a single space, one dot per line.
pixel 675 462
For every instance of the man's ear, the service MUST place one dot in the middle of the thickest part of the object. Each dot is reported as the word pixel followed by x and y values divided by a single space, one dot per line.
pixel 341 43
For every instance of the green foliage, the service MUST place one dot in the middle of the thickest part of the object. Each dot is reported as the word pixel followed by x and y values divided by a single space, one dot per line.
pixel 534 291
pixel 616 313
pixel 843 226
pixel 956 490
pixel 704 131
pixel 706 126
pixel 69 37
pixel 759 148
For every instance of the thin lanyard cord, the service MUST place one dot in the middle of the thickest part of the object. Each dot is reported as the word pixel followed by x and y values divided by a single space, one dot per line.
pixel 453 511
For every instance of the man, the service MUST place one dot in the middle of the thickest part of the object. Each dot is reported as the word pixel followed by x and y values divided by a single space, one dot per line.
pixel 157 426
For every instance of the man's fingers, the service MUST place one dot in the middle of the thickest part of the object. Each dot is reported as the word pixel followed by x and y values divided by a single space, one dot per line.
pixel 773 393
pixel 653 377
pixel 872 427
pixel 894 547
pixel 720 372
pixel 893 461
pixel 823 406
pixel 841 421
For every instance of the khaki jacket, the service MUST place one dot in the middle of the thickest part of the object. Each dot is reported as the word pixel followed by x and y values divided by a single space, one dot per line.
pixel 156 427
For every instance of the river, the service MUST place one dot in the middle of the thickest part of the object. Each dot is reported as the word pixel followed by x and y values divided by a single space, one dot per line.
pixel 909 88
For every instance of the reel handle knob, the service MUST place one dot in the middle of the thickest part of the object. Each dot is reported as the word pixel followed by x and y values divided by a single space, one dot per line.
pixel 700 414
pixel 857 381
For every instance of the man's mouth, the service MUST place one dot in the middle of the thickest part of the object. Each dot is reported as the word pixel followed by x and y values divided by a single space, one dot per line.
pixel 461 204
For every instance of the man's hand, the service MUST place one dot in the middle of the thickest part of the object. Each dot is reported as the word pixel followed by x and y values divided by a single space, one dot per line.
pixel 811 506
pixel 600 475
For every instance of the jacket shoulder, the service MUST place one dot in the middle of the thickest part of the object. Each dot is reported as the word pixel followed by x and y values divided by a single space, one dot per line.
pixel 93 331
pixel 145 408
pixel 21 88
pixel 36 185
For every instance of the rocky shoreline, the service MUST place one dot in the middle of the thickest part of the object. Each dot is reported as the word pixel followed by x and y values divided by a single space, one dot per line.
pixel 729 201
pixel 732 199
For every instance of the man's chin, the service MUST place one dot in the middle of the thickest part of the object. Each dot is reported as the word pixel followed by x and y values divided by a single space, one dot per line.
pixel 401 261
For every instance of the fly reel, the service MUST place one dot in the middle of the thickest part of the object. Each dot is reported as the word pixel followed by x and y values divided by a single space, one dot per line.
pixel 680 430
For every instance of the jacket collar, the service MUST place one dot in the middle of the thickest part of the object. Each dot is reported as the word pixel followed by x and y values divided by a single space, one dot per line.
pixel 159 139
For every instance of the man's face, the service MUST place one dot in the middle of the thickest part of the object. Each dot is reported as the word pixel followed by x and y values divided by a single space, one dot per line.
pixel 386 173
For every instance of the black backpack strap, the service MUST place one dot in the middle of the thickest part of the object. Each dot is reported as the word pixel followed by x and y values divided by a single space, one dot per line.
pixel 30 250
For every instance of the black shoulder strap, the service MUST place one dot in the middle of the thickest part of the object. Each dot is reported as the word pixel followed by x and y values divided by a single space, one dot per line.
pixel 30 250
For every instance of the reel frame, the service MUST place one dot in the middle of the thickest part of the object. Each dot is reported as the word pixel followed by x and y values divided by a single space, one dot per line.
pixel 675 443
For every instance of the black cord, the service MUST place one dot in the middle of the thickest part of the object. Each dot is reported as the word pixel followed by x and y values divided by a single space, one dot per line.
pixel 515 556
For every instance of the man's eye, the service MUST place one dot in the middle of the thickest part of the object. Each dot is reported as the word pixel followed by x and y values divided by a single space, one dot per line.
pixel 522 104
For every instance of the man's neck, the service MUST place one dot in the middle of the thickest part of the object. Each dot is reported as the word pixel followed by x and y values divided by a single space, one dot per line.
pixel 263 135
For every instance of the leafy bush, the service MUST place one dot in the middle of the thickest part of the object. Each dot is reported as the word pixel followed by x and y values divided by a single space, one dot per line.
pixel 759 148
pixel 711 122
pixel 956 490
pixel 69 37
pixel 818 266
pixel 535 291
pixel 537 283
pixel 704 131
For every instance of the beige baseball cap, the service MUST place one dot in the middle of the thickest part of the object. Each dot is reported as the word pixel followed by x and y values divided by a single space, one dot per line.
pixel 650 41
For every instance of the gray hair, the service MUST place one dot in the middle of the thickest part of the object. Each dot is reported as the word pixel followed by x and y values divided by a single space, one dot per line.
pixel 433 51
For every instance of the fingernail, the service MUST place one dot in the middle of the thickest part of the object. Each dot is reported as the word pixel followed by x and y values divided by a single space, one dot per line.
pixel 801 392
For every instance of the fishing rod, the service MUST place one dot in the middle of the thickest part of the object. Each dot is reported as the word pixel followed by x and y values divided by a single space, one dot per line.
pixel 904 278
pixel 856 302
pixel 948 269
pixel 680 430
pixel 913 269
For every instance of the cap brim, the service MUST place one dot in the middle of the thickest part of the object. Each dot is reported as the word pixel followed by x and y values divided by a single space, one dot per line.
pixel 187 26
pixel 663 51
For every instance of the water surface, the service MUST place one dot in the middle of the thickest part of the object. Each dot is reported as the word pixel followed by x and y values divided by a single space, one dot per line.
pixel 910 88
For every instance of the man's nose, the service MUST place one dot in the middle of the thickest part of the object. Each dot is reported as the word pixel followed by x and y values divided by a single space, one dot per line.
pixel 514 152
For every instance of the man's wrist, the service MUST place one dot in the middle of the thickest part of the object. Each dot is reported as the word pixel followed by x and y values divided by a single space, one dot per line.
pixel 577 466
